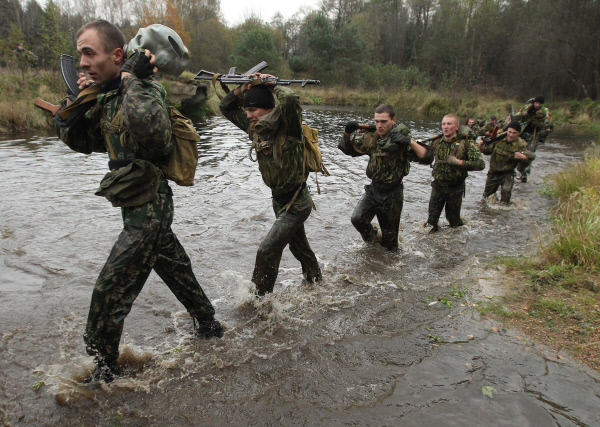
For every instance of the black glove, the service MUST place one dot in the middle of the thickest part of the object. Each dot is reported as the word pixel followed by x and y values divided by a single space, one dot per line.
pixel 139 65
pixel 351 127
pixel 395 142
pixel 400 140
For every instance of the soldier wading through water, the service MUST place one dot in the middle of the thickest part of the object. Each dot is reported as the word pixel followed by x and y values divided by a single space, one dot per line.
pixel 130 96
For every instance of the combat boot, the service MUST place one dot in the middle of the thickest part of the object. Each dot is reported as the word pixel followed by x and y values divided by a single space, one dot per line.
pixel 103 371
pixel 208 328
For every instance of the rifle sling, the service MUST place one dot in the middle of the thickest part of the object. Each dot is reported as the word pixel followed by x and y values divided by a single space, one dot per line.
pixel 85 97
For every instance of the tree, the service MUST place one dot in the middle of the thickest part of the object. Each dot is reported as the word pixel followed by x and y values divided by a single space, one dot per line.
pixel 211 46
pixel 164 12
pixel 254 46
pixel 54 40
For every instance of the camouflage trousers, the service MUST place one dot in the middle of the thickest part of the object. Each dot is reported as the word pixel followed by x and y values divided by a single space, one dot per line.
pixel 505 180
pixel 287 229
pixel 145 243
pixel 387 205
pixel 449 197
pixel 532 145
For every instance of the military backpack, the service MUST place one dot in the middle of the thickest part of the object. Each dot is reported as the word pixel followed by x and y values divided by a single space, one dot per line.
pixel 180 164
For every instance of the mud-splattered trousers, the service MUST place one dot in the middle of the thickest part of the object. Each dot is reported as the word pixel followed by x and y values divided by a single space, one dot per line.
pixel 448 186
pixel 503 180
pixel 387 206
pixel 288 228
pixel 146 241
pixel 384 197
pixel 282 170
pixel 503 164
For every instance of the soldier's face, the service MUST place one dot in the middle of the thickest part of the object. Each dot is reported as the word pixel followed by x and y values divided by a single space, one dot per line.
pixel 254 113
pixel 471 123
pixel 512 135
pixel 449 127
pixel 493 121
pixel 101 66
pixel 537 105
pixel 384 123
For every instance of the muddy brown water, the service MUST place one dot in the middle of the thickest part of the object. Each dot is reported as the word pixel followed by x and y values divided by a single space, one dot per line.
pixel 364 347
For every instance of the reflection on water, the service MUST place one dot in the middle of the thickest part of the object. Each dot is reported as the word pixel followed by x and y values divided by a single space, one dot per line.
pixel 355 349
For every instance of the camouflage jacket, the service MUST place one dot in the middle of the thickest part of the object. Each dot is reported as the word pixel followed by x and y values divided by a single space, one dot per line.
pixel 277 138
pixel 489 127
pixel 539 118
pixel 462 148
pixel 503 154
pixel 145 132
pixel 384 169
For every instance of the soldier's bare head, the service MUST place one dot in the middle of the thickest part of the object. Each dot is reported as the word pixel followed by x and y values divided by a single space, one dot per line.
pixel 385 119
pixel 110 36
pixel 101 47
pixel 450 125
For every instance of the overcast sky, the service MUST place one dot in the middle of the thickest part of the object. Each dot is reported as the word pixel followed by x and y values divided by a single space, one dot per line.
pixel 235 11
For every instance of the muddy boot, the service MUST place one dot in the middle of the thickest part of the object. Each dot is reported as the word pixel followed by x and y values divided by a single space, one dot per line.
pixel 434 227
pixel 103 371
pixel 208 328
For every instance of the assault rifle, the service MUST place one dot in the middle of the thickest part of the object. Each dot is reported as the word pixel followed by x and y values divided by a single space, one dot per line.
pixel 233 78
pixel 68 71
pixel 362 128
pixel 427 142
pixel 78 100
pixel 485 141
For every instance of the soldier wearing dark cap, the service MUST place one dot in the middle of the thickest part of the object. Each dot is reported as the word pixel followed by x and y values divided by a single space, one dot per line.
pixel 277 136
pixel 535 122
pixel 130 121
pixel 506 155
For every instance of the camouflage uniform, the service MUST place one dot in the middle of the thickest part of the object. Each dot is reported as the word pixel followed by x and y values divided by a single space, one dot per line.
pixel 534 124
pixel 476 129
pixel 448 186
pixel 384 197
pixel 489 127
pixel 146 241
pixel 503 164
pixel 277 138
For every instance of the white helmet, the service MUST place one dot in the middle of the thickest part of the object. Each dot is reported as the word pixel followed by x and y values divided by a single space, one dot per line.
pixel 171 54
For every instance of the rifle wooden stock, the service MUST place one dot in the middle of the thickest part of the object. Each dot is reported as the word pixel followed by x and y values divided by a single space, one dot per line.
pixel 366 127
pixel 46 106
pixel 490 140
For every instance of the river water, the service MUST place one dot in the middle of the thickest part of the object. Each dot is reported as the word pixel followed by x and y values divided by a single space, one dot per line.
pixel 364 347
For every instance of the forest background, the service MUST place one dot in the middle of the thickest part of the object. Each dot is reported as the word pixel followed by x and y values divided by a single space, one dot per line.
pixel 518 48
pixel 472 57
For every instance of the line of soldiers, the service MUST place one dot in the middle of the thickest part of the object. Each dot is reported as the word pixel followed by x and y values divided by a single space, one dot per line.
pixel 536 124
pixel 130 122
pixel 452 155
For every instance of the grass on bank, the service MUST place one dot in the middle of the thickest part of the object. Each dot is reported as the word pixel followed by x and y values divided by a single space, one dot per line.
pixel 560 302
pixel 17 112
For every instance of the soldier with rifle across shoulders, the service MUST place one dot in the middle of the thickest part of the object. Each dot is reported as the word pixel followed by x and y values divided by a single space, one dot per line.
pixel 390 149
pixel 277 136
pixel 536 124
pixel 453 155
pixel 506 154
pixel 129 120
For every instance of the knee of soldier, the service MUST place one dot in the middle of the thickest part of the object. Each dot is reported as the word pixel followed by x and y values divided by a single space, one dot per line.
pixel 265 250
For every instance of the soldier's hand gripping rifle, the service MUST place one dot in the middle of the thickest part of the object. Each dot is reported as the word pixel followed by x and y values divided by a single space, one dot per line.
pixel 234 78
pixel 491 140
pixel 78 101
pixel 352 127
pixel 427 142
